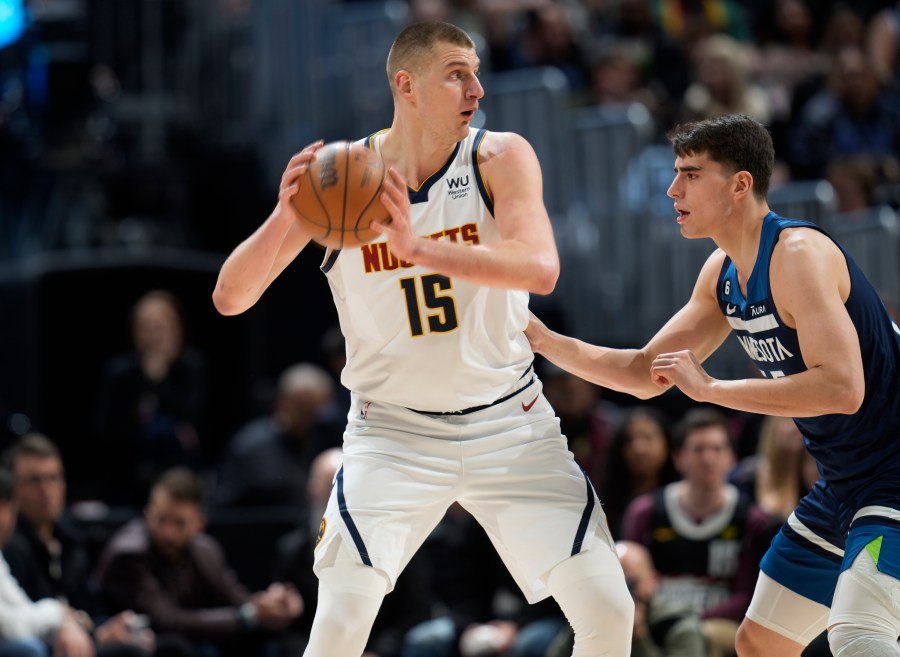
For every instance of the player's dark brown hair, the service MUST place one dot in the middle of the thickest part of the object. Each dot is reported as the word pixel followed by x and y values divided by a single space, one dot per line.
pixel 735 141
pixel 418 40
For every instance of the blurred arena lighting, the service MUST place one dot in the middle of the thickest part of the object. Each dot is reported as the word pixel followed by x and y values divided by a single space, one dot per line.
pixel 12 21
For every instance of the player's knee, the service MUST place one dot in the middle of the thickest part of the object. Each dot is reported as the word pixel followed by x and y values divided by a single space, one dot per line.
pixel 349 599
pixel 592 593
pixel 340 628
pixel 617 616
pixel 856 640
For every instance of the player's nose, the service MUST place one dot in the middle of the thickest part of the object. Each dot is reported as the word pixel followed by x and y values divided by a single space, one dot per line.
pixel 673 191
pixel 475 89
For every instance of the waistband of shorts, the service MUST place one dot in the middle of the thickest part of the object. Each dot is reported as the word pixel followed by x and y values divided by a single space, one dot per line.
pixel 528 374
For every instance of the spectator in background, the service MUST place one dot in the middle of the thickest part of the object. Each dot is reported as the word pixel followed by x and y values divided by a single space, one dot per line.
pixel 883 45
pixel 47 555
pixel 267 460
pixel 845 26
pixel 151 401
pixel 855 182
pixel 851 116
pixel 705 537
pixel 615 77
pixel 164 566
pixel 28 628
pixel 787 56
pixel 639 461
pixel 549 38
pixel 663 62
pixel 781 472
pixel 722 83
pixel 662 628
pixel 687 21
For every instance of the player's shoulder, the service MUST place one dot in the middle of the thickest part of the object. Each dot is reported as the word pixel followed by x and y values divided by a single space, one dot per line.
pixel 708 278
pixel 496 144
pixel 798 246
pixel 713 265
pixel 801 238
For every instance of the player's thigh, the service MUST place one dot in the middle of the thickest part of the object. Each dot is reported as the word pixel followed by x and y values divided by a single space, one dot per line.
pixel 780 619
pixel 868 591
pixel 755 640
pixel 534 502
pixel 801 567
pixel 796 584
pixel 387 497
pixel 785 612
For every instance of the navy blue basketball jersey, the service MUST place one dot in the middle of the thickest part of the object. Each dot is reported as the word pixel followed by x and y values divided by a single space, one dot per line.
pixel 859 454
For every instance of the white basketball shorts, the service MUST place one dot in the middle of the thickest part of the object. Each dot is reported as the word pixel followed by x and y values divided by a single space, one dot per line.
pixel 507 464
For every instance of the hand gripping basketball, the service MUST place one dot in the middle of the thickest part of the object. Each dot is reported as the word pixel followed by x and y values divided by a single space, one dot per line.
pixel 339 196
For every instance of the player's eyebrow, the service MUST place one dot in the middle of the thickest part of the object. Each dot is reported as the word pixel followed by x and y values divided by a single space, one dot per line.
pixel 463 63
pixel 687 167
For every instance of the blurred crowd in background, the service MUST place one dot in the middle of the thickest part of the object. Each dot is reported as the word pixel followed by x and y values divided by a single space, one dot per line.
pixel 140 140
pixel 133 114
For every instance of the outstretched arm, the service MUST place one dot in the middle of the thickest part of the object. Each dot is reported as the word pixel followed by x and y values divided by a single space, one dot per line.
pixel 259 259
pixel 810 284
pixel 525 257
pixel 699 327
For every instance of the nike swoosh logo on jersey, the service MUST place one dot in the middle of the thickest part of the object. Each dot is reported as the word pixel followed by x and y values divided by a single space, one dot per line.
pixel 527 407
pixel 730 310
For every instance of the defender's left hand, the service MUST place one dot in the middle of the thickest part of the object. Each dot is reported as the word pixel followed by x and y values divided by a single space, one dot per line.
pixel 681 369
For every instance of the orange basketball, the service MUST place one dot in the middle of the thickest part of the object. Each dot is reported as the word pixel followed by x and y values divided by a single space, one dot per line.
pixel 339 195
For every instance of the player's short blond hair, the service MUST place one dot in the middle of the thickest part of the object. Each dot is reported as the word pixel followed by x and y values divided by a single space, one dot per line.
pixel 416 42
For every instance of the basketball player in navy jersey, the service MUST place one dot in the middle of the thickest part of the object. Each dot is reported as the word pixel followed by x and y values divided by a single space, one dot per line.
pixel 830 358
pixel 445 403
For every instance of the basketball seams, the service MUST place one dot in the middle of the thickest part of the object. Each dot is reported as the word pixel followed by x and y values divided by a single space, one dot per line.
pixel 312 185
pixel 371 200
pixel 347 146
pixel 337 203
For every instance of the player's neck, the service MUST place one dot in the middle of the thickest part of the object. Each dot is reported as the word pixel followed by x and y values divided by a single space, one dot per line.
pixel 415 153
pixel 741 240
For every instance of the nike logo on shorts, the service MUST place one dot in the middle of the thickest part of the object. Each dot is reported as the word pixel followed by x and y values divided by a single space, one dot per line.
pixel 527 407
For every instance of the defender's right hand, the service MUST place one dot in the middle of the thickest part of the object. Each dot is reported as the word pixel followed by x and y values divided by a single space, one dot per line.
pixel 535 330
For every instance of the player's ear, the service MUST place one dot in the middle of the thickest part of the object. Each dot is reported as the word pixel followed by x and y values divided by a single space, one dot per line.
pixel 403 82
pixel 743 183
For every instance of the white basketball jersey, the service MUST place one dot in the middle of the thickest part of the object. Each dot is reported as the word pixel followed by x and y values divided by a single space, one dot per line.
pixel 417 338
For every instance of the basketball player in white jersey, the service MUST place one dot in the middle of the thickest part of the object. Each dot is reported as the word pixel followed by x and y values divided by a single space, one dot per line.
pixel 445 404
